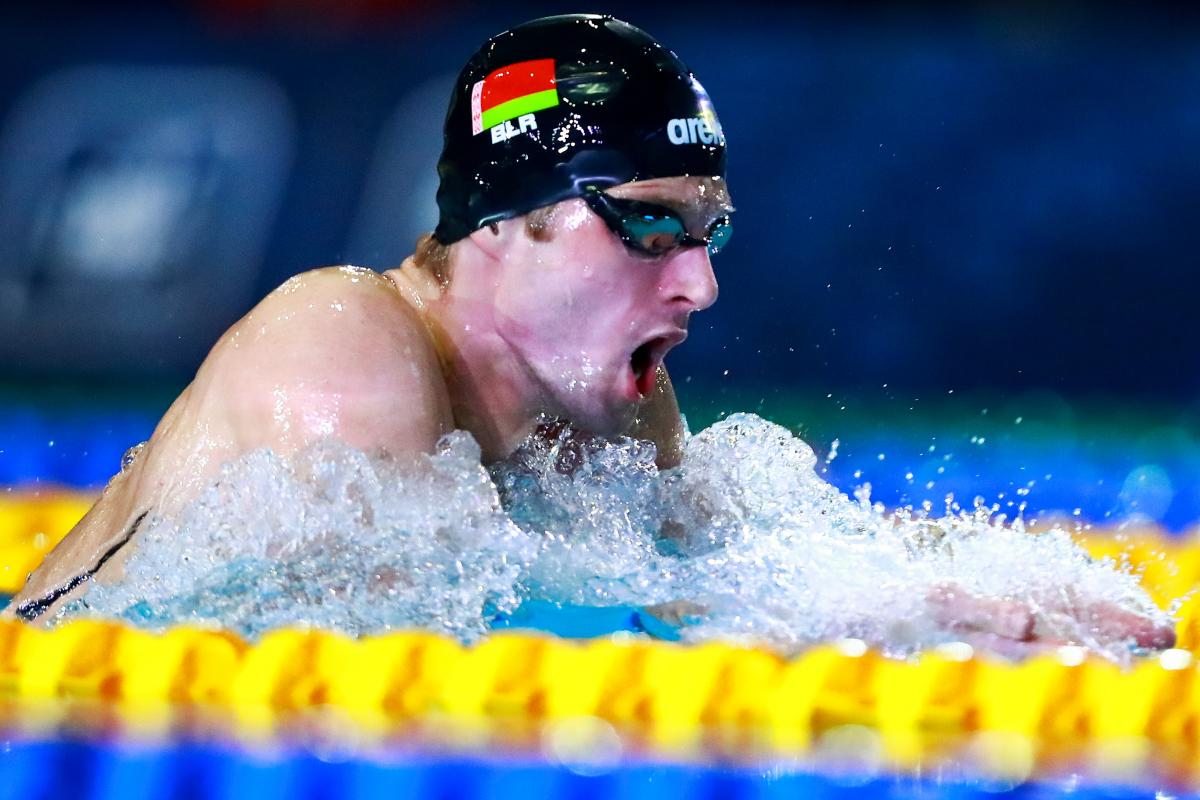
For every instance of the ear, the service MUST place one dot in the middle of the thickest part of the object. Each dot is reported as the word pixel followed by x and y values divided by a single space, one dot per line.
pixel 495 238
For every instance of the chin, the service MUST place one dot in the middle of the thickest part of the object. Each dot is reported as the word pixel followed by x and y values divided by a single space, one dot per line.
pixel 601 421
pixel 597 406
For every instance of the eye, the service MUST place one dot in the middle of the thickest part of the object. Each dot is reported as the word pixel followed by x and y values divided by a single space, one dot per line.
pixel 659 243
pixel 653 234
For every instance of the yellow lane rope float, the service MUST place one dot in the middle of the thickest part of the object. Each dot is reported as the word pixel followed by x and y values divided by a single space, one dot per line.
pixel 657 697
pixel 30 526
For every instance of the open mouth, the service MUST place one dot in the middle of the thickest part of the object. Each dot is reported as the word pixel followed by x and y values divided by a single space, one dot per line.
pixel 644 363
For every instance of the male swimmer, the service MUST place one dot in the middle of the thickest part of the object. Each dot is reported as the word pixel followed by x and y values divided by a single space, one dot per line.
pixel 582 196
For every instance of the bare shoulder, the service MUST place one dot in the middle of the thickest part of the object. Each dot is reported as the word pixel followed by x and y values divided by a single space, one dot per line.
pixel 332 352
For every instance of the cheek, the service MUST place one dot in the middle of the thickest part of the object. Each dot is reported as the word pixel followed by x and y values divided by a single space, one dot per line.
pixel 574 216
pixel 562 299
pixel 541 314
pixel 575 295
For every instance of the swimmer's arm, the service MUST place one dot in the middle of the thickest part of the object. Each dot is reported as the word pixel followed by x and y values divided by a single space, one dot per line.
pixel 1019 627
pixel 659 421
pixel 333 353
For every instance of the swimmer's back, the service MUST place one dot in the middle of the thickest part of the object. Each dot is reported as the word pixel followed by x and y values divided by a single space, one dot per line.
pixel 335 352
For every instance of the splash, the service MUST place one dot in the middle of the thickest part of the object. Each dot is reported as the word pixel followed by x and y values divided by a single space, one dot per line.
pixel 333 538
pixel 744 541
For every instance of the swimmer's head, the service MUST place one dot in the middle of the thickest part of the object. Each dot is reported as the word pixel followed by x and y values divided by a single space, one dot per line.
pixel 563 106
pixel 582 176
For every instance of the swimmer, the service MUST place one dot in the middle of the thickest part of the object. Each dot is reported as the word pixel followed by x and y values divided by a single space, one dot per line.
pixel 582 198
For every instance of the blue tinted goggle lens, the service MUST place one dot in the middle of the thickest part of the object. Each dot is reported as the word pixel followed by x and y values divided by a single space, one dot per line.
pixel 654 229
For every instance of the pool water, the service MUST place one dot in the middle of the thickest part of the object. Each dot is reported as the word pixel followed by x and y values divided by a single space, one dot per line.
pixel 758 548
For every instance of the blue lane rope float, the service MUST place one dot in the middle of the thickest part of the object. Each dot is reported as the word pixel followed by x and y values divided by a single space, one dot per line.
pixel 94 771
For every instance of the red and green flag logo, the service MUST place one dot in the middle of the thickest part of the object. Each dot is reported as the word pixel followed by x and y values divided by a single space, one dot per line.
pixel 511 91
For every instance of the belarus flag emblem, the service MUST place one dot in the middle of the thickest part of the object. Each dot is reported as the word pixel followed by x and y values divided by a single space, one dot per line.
pixel 511 91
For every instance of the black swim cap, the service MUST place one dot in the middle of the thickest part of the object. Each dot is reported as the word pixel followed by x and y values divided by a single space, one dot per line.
pixel 558 104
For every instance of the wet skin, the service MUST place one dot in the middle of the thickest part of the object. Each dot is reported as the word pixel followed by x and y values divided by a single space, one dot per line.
pixel 527 328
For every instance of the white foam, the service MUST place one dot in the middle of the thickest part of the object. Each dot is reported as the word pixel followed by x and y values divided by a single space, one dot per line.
pixel 360 542
pixel 334 538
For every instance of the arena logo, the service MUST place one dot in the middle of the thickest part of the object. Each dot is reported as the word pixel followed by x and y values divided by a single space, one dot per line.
pixel 507 130
pixel 695 130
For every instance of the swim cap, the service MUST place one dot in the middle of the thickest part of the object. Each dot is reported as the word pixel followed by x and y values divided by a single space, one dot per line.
pixel 546 110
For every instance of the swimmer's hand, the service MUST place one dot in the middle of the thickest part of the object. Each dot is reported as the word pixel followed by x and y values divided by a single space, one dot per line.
pixel 677 613
pixel 1017 628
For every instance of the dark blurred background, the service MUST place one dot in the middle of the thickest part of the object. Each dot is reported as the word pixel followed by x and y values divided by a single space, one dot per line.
pixel 986 208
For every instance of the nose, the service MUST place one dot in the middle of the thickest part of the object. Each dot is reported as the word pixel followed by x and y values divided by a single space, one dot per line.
pixel 689 279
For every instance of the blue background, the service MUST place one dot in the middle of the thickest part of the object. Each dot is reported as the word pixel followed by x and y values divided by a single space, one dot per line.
pixel 970 197
pixel 954 223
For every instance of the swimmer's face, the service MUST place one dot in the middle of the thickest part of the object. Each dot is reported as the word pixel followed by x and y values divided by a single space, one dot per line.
pixel 592 318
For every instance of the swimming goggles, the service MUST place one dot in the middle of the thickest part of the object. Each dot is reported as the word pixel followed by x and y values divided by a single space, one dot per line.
pixel 651 228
